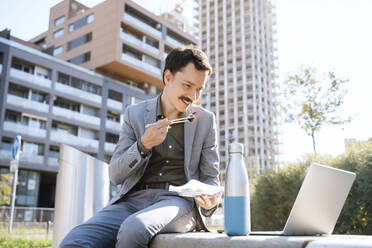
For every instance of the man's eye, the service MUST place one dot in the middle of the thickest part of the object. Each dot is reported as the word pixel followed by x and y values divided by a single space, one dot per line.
pixel 187 85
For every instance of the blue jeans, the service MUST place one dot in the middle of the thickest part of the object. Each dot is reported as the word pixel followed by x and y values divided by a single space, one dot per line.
pixel 134 220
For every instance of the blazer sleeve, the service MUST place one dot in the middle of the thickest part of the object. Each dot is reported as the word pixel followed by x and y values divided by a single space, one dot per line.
pixel 126 158
pixel 209 159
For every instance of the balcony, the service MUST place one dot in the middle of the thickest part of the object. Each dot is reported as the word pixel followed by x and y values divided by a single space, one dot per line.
pixel 5 154
pixel 109 147
pixel 69 114
pixel 174 43
pixel 139 24
pixel 26 104
pixel 30 78
pixel 113 125
pixel 53 162
pixel 31 158
pixel 73 140
pixel 19 128
pixel 139 43
pixel 114 104
pixel 24 157
pixel 74 92
pixel 139 63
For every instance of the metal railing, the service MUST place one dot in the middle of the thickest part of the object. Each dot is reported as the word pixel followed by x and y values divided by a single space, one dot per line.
pixel 27 214
pixel 31 78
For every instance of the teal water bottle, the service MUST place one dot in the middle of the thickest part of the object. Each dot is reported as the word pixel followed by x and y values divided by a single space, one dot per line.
pixel 237 203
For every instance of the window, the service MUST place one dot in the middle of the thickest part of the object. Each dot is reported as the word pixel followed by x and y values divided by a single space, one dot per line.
pixel 152 61
pixel 81 11
pixel 59 21
pixel 113 116
pixel 34 121
pixel 6 144
pixel 79 23
pixel 177 37
pixel 32 148
pixel 22 65
pixel 38 96
pixel 90 18
pixel 79 41
pixel 112 138
pixel 80 59
pixel 12 116
pixel 53 152
pixel 58 33
pixel 57 50
pixel 114 95
pixel 132 52
pixel 67 104
pixel 151 42
pixel 143 18
pixel 78 83
pixel 17 90
pixel 64 128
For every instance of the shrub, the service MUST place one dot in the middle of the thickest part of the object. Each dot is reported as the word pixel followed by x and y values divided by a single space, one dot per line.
pixel 275 192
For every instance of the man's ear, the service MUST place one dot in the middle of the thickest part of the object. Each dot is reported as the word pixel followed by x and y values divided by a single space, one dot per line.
pixel 168 76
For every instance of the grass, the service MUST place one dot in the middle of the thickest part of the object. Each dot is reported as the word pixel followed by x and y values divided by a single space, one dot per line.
pixel 9 242
pixel 25 237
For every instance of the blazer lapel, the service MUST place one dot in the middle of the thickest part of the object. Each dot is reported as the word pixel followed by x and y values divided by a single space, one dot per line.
pixel 189 131
pixel 150 113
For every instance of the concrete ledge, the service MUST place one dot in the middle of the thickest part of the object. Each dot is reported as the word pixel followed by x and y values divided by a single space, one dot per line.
pixel 215 240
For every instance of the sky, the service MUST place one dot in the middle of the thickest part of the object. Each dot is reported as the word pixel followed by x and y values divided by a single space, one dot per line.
pixel 327 34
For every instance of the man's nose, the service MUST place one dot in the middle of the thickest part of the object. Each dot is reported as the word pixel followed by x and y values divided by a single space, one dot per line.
pixel 193 95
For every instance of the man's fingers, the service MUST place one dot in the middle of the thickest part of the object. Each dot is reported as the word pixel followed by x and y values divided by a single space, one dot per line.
pixel 200 200
pixel 159 124
pixel 163 130
pixel 207 201
pixel 214 199
pixel 163 123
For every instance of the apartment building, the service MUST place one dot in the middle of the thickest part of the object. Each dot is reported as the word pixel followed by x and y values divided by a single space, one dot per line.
pixel 239 37
pixel 100 60
pixel 116 38
pixel 48 102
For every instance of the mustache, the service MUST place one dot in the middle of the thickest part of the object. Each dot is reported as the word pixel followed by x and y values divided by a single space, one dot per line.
pixel 186 99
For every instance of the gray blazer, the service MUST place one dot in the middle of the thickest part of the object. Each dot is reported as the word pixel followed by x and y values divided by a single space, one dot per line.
pixel 127 166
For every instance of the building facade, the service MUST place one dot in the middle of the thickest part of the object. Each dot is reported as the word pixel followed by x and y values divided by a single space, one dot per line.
pixel 116 38
pixel 239 37
pixel 48 102
pixel 72 83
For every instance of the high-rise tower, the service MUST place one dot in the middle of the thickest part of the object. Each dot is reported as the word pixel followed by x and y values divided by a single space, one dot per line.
pixel 239 37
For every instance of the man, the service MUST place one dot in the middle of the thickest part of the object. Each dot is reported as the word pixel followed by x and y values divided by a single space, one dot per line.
pixel 151 154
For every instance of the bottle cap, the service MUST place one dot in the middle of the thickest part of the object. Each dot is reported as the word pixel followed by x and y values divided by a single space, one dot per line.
pixel 236 147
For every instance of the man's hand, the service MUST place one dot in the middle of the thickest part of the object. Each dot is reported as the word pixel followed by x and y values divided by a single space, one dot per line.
pixel 155 133
pixel 207 203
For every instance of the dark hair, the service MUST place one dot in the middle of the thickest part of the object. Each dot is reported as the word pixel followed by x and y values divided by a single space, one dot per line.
pixel 180 57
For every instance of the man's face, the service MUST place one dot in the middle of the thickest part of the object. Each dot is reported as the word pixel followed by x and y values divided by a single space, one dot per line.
pixel 184 87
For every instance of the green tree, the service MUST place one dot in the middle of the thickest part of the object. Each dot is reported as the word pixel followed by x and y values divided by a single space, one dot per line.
pixel 5 189
pixel 312 100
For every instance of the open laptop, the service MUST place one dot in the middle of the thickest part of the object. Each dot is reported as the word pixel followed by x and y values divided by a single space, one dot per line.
pixel 318 203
